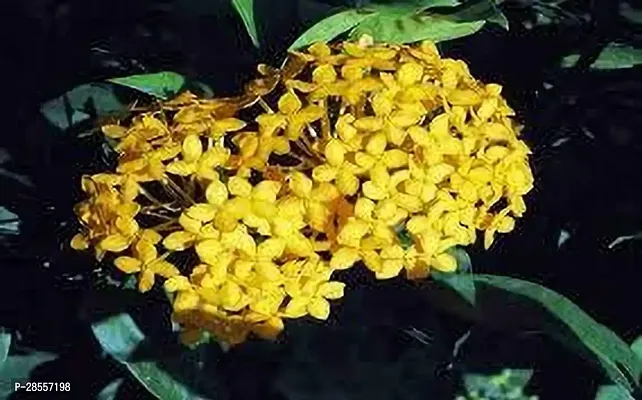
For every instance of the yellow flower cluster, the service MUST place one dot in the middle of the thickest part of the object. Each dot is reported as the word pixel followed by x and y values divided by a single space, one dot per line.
pixel 380 154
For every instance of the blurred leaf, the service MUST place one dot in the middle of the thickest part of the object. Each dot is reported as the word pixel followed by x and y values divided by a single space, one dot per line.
pixel 612 56
pixel 621 239
pixel 401 23
pixel 509 384
pixel 329 28
pixel 245 8
pixel 18 368
pixel 5 343
pixel 81 104
pixel 110 391
pixel 462 281
pixel 584 333
pixel 161 84
pixel 630 13
pixel 614 392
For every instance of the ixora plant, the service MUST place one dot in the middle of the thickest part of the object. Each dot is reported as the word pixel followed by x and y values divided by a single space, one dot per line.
pixel 375 152
pixel 381 154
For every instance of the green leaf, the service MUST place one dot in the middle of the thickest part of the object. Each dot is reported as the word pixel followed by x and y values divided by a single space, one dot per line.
pixel 461 281
pixel 330 27
pixel 614 392
pixel 81 104
pixel 612 56
pixel 161 84
pixel 245 8
pixel 18 368
pixel 401 23
pixel 5 343
pixel 118 335
pixel 165 377
pixel 561 319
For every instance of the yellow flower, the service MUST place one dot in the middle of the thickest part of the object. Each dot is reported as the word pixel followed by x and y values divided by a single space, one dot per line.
pixel 317 201
pixel 197 225
pixel 254 205
pixel 255 151
pixel 292 117
pixel 338 169
pixel 146 261
pixel 322 54
pixel 501 223
pixel 309 294
pixel 198 163
pixel 386 155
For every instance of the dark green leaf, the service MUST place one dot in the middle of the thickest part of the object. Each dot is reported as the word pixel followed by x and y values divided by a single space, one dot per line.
pixel 402 23
pixel 245 8
pixel 18 369
pixel 78 105
pixel 614 392
pixel 120 337
pixel 161 84
pixel 329 28
pixel 561 319
pixel 612 56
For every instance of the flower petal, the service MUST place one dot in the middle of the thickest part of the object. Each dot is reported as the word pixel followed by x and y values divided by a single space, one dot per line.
pixel 128 265
pixel 319 308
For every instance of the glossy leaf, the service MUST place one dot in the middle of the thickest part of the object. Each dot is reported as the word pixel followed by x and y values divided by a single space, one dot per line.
pixel 612 56
pixel 245 8
pixel 330 27
pixel 167 377
pixel 161 84
pixel 81 104
pixel 406 23
pixel 529 306
pixel 614 392
pixel 119 336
